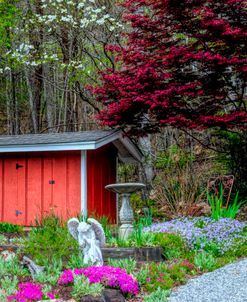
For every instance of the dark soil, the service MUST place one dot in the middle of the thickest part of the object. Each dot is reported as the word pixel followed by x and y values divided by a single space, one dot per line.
pixel 63 291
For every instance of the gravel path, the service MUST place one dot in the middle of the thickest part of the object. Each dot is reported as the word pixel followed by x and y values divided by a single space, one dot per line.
pixel 227 284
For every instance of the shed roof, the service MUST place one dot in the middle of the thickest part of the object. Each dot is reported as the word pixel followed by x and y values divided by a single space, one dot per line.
pixel 84 140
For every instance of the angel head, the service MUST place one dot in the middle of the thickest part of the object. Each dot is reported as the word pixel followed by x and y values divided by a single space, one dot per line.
pixel 82 231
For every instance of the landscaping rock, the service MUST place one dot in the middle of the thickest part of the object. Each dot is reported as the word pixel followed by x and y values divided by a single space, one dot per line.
pixel 33 268
pixel 91 299
pixel 108 295
pixel 112 295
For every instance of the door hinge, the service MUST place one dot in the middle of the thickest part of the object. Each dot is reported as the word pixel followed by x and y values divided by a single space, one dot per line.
pixel 17 166
pixel 17 212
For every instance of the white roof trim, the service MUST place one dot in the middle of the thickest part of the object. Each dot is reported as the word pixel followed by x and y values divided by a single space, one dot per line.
pixel 76 146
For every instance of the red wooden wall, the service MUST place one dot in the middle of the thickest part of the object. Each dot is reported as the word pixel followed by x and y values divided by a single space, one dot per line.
pixel 39 183
pixel 101 171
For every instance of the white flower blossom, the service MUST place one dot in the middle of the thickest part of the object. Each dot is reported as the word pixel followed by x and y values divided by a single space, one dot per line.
pixel 67 19
pixel 100 21
pixel 51 17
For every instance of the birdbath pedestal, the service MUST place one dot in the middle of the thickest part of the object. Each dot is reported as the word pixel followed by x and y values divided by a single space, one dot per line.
pixel 126 214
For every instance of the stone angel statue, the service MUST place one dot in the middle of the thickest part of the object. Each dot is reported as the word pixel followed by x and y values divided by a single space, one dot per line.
pixel 91 237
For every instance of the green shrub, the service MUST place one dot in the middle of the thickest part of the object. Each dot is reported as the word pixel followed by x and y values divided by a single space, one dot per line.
pixel 10 228
pixel 82 287
pixel 8 285
pixel 158 277
pixel 75 261
pixel 53 270
pixel 50 239
pixel 205 261
pixel 12 268
pixel 141 274
pixel 173 245
pixel 137 239
pixel 128 264
pixel 166 275
pixel 158 295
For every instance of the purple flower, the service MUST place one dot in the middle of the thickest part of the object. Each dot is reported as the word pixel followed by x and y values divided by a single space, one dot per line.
pixel 198 231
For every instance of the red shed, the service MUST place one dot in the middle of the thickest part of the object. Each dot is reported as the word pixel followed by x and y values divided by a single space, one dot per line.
pixel 64 173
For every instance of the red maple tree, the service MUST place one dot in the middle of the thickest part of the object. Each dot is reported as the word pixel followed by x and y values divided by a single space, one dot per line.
pixel 184 65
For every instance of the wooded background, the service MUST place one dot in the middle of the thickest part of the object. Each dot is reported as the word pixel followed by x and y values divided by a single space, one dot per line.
pixel 50 51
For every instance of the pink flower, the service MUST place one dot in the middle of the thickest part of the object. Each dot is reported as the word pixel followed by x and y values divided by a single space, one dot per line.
pixel 28 292
pixel 110 276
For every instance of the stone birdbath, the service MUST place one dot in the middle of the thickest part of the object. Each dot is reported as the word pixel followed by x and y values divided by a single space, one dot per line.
pixel 126 214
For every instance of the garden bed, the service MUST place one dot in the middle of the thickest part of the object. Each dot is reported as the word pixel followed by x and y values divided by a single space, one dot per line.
pixel 191 246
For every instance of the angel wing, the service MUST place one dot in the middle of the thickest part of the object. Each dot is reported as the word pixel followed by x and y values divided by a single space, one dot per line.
pixel 98 229
pixel 73 224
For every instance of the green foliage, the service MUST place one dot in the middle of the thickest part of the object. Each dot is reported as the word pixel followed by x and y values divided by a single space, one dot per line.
pixel 128 264
pixel 8 285
pixel 212 248
pixel 53 270
pixel 158 276
pixel 217 202
pixel 108 229
pixel 126 172
pixel 75 261
pixel 205 261
pixel 137 239
pixel 12 268
pixel 173 157
pixel 82 287
pixel 234 156
pixel 45 277
pixel 147 218
pixel 8 13
pixel 158 295
pixel 239 247
pixel 166 275
pixel 50 239
pixel 3 239
pixel 200 224
pixel 46 289
pixel 141 274
pixel 6 227
pixel 173 245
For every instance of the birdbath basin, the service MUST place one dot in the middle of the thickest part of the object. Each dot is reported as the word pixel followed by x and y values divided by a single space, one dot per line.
pixel 128 187
pixel 126 214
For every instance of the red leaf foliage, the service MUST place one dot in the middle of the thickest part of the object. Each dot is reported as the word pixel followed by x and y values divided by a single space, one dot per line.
pixel 184 64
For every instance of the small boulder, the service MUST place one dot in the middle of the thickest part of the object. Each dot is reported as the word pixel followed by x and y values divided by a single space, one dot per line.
pixel 90 298
pixel 113 295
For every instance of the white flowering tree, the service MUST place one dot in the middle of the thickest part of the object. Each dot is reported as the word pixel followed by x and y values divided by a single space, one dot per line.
pixel 57 47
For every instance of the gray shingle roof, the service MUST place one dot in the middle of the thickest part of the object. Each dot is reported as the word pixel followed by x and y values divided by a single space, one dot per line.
pixel 55 138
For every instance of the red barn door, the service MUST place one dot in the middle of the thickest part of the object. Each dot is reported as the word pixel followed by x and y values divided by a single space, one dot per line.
pixel 37 184
pixel 13 192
